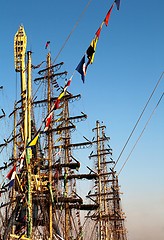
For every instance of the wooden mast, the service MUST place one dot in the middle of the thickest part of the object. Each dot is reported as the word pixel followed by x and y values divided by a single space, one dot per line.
pixel 109 217
pixel 99 180
pixel 105 189
pixel 67 142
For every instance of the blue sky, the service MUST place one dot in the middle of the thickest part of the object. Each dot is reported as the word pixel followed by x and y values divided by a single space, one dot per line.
pixel 128 62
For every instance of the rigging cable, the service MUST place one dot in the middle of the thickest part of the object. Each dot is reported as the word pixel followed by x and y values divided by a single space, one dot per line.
pixel 69 35
pixel 139 118
pixel 73 29
pixel 141 133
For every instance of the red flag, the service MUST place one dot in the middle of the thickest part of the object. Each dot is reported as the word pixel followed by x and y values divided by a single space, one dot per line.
pixel 69 82
pixel 56 104
pixel 67 85
pixel 99 30
pixel 106 20
pixel 48 121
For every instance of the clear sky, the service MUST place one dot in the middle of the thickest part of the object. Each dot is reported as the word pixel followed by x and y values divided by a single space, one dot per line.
pixel 129 60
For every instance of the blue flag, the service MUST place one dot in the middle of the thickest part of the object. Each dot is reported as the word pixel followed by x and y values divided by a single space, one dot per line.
pixel 117 4
pixel 81 68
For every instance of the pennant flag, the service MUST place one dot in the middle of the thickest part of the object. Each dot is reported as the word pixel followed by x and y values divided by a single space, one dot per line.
pixel 48 121
pixel 56 105
pixel 33 142
pixel 117 4
pixel 47 44
pixel 81 68
pixel 99 30
pixel 91 50
pixel 69 82
pixel 106 20
pixel 61 95
pixel 11 176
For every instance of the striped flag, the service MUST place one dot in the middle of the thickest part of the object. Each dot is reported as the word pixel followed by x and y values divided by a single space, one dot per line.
pixel 11 176
pixel 48 121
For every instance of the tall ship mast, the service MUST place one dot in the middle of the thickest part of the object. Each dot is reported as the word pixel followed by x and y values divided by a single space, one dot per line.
pixel 41 200
pixel 109 218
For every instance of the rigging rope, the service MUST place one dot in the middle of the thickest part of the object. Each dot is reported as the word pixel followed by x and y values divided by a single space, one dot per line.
pixel 139 118
pixel 141 134
pixel 73 29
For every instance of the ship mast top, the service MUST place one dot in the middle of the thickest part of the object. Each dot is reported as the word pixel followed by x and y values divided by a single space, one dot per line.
pixel 20 42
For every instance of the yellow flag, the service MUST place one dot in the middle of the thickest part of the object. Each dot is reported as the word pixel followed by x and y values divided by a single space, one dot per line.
pixel 34 141
pixel 61 95
pixel 93 45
